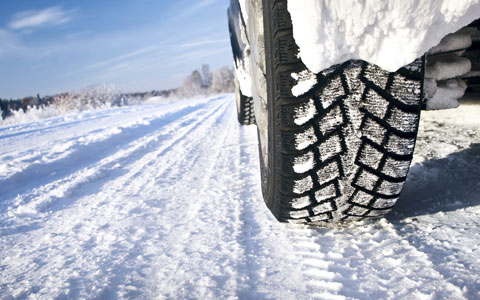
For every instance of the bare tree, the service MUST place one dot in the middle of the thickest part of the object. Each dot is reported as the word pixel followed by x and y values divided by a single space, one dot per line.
pixel 222 81
pixel 206 76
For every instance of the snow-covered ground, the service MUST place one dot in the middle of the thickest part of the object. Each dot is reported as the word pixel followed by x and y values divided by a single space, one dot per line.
pixel 163 201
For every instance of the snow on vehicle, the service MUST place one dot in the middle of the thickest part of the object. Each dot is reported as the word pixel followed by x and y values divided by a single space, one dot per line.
pixel 336 89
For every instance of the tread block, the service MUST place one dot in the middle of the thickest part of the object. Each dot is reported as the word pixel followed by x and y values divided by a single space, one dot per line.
pixel 326 192
pixel 331 121
pixel 376 75
pixel 400 145
pixel 328 172
pixel 297 186
pixel 362 198
pixel 304 163
pixel 300 202
pixel 405 90
pixel 321 218
pixel 299 114
pixel 323 208
pixel 396 168
pixel 357 211
pixel 366 179
pixel 370 156
pixel 330 147
pixel 375 104
pixel 300 140
pixel 284 84
pixel 374 131
pixel 352 76
pixel 384 203
pixel 390 188
pixel 330 93
pixel 403 121
pixel 297 214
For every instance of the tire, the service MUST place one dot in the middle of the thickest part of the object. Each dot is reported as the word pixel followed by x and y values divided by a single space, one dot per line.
pixel 342 150
pixel 245 111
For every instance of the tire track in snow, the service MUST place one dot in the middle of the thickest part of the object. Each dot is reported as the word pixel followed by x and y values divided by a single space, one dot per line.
pixel 108 203
pixel 223 243
pixel 367 261
pixel 100 169
pixel 267 270
pixel 201 223
pixel 37 174
pixel 87 128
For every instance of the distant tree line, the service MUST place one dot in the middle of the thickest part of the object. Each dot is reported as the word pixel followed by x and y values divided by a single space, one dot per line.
pixel 8 106
pixel 199 83
pixel 205 82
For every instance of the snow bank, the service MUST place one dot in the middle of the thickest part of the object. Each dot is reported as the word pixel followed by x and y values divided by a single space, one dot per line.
pixel 390 34
pixel 74 104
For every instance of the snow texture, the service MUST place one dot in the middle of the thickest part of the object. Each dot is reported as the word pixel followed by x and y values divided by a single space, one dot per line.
pixel 452 42
pixel 447 66
pixel 443 86
pixel 390 34
pixel 242 67
pixel 163 201
pixel 305 112
pixel 244 78
pixel 447 93
pixel 305 81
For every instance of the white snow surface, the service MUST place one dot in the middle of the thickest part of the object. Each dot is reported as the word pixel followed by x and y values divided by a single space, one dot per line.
pixel 305 81
pixel 447 94
pixel 390 34
pixel 163 201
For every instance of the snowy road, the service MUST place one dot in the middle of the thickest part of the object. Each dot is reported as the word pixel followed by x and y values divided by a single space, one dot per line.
pixel 163 201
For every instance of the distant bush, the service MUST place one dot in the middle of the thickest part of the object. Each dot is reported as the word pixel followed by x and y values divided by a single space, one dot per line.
pixel 104 96
pixel 30 108
pixel 89 98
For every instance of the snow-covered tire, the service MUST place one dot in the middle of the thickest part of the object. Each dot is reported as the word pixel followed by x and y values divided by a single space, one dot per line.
pixel 342 150
pixel 245 111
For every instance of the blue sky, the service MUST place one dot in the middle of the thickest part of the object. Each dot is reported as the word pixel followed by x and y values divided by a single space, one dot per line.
pixel 48 47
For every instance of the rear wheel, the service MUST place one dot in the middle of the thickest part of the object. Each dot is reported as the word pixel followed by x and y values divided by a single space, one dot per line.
pixel 342 149
pixel 245 111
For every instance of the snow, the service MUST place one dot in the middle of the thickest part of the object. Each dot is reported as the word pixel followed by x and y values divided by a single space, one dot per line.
pixel 447 94
pixel 242 67
pixel 447 66
pixel 244 78
pixel 305 112
pixel 243 8
pixel 457 41
pixel 304 163
pixel 305 81
pixel 163 201
pixel 390 34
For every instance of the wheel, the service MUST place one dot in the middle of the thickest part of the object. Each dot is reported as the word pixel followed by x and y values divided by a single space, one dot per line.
pixel 341 150
pixel 245 111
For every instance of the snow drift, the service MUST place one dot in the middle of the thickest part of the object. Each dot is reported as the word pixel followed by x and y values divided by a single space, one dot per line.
pixel 390 34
